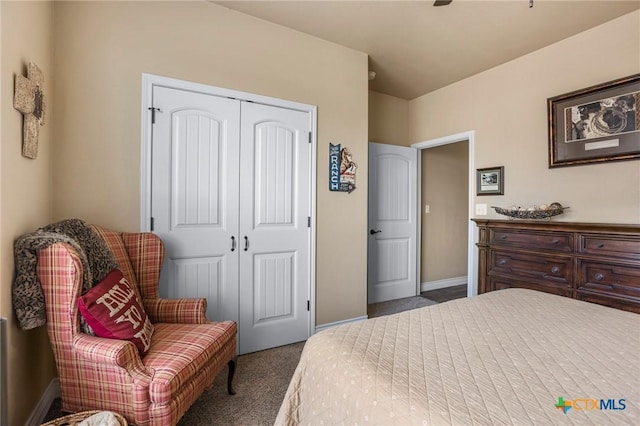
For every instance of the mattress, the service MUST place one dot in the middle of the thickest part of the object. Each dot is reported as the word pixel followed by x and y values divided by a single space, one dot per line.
pixel 508 357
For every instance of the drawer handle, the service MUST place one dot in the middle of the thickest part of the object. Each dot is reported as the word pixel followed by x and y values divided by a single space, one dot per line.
pixel 555 270
pixel 503 237
pixel 556 241
pixel 600 245
pixel 599 276
pixel 502 262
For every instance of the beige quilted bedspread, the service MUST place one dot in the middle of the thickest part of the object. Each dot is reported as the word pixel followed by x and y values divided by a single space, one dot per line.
pixel 503 358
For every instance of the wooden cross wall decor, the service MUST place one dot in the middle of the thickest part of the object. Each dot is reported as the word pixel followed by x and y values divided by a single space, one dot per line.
pixel 29 100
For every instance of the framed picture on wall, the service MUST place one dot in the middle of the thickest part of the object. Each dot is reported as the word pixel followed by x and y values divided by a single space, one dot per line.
pixel 490 181
pixel 597 124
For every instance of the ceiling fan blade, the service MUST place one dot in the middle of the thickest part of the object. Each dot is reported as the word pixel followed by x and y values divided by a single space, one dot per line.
pixel 441 2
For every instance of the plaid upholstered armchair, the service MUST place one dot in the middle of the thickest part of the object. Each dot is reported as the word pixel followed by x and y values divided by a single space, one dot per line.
pixel 181 359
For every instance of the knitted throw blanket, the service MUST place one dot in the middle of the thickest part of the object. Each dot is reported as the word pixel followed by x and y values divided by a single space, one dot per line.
pixel 28 297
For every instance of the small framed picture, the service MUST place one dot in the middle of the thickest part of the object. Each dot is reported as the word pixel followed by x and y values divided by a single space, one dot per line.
pixel 490 181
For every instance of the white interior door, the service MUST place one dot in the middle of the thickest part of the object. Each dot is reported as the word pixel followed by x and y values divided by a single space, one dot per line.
pixel 393 212
pixel 194 197
pixel 274 223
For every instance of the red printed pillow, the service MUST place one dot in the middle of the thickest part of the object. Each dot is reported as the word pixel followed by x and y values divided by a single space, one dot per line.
pixel 112 310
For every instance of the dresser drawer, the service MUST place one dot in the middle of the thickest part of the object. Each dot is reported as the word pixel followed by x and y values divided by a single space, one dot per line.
pixel 500 283
pixel 627 247
pixel 609 279
pixel 555 269
pixel 533 240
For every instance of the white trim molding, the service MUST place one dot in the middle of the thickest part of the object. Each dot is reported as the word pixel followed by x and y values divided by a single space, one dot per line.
pixel 447 282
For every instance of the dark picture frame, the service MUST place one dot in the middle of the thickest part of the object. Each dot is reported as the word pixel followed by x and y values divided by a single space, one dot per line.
pixel 594 125
pixel 490 181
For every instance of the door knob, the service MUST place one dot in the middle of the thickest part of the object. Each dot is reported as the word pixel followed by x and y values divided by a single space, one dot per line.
pixel 374 231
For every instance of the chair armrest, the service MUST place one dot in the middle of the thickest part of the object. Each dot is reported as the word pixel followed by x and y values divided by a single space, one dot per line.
pixel 181 311
pixel 119 353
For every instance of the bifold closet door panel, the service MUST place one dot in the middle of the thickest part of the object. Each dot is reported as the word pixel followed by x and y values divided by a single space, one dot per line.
pixel 274 212
pixel 195 196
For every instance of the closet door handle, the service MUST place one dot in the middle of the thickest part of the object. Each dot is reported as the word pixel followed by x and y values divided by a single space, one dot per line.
pixel 233 243
pixel 246 243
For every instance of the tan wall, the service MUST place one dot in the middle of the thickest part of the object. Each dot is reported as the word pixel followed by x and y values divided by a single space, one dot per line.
pixel 506 106
pixel 103 48
pixel 388 119
pixel 445 188
pixel 25 194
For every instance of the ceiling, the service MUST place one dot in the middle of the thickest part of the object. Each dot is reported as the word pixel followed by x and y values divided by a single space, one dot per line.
pixel 415 48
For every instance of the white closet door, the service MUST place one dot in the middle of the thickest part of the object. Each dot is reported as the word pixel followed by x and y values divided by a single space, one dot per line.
pixel 274 210
pixel 195 196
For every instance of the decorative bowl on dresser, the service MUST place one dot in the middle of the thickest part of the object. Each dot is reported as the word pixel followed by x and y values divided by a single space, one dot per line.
pixel 594 262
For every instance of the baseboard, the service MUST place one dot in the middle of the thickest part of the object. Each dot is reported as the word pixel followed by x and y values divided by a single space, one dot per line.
pixel 447 282
pixel 334 324
pixel 40 412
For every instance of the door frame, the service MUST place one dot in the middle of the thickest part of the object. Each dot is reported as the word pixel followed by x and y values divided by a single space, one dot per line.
pixel 472 255
pixel 151 80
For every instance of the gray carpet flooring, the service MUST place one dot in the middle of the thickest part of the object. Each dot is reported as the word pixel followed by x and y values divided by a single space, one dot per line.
pixel 260 383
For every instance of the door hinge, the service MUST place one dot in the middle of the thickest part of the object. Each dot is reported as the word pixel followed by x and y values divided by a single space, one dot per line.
pixel 153 114
pixel 309 137
pixel 152 223
pixel 309 222
pixel 308 305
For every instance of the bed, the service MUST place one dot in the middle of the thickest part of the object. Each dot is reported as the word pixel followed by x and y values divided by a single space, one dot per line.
pixel 508 357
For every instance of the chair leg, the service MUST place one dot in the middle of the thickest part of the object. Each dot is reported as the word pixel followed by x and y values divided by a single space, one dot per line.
pixel 232 372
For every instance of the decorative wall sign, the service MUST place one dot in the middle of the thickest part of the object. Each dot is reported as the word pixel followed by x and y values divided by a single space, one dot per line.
pixel 342 169
pixel 30 101
pixel 597 124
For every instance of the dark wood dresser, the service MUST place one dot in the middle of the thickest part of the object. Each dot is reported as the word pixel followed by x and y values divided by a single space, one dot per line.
pixel 595 262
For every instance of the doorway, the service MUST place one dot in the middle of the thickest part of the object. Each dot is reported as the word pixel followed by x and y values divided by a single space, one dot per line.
pixel 471 238
pixel 468 233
